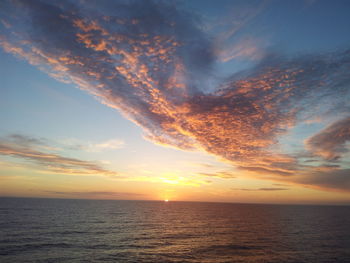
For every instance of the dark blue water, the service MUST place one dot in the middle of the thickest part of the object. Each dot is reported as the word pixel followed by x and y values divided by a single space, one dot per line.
pixel 51 230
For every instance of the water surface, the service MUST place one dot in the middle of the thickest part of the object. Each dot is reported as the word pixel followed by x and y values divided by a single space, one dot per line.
pixel 58 230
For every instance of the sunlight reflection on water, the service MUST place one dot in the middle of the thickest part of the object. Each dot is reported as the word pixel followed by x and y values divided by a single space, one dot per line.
pixel 52 230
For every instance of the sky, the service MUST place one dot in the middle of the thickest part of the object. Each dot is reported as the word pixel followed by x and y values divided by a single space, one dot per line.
pixel 221 101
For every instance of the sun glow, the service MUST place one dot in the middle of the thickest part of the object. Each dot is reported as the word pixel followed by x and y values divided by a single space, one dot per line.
pixel 166 200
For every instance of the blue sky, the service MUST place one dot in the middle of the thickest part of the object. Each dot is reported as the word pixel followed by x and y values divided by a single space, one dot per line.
pixel 190 100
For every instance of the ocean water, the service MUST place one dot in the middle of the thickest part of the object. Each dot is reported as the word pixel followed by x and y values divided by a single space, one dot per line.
pixel 54 230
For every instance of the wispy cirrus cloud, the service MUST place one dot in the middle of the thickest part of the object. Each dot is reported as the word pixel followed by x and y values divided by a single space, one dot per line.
pixel 246 48
pixel 227 29
pixel 36 152
pixel 76 144
pixel 219 174
pixel 153 62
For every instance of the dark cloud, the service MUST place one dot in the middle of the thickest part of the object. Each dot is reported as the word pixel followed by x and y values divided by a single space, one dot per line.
pixel 330 143
pixel 271 170
pixel 152 61
pixel 25 140
pixel 272 189
pixel 27 148
pixel 97 194
pixel 262 189
pixel 334 179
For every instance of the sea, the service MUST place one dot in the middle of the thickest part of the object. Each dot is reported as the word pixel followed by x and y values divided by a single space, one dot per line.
pixel 62 230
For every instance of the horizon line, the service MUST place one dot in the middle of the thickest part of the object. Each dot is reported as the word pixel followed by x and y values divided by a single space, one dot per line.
pixel 180 201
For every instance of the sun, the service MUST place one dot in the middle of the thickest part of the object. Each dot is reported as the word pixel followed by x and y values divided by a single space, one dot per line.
pixel 166 200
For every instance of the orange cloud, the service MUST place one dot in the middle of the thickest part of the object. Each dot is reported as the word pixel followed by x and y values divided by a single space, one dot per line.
pixel 154 66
